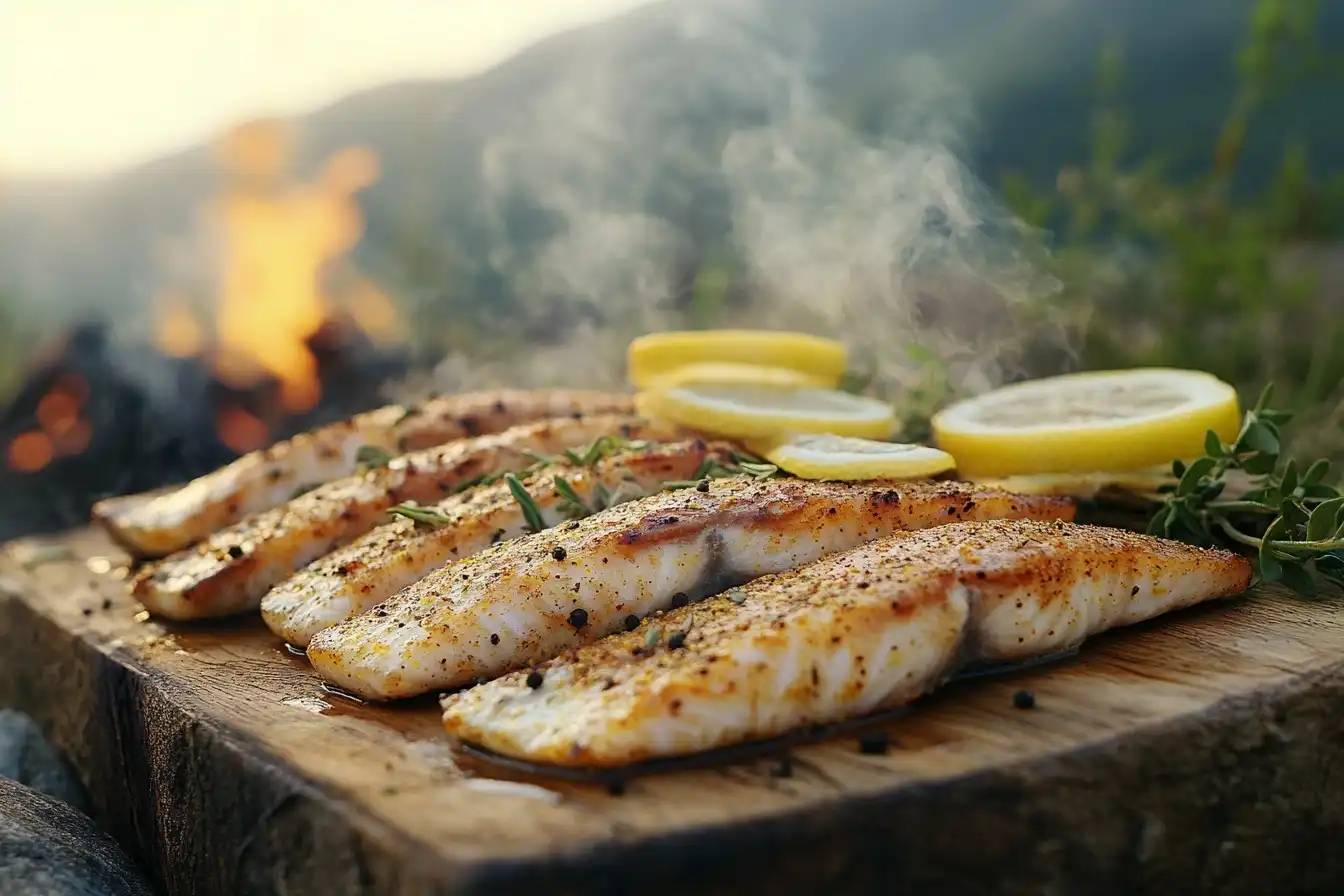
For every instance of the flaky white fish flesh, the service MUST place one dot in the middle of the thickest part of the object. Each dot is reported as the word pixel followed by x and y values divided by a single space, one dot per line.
pixel 871 628
pixel 233 569
pixel 157 524
pixel 527 600
pixel 353 579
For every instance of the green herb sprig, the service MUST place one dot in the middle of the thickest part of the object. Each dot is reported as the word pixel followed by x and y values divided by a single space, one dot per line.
pixel 372 457
pixel 421 516
pixel 1290 517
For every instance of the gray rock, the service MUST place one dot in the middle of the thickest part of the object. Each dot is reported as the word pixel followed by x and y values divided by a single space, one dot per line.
pixel 49 849
pixel 27 757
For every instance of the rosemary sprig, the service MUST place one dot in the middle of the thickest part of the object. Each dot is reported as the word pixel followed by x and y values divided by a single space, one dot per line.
pixel 571 506
pixel 1290 518
pixel 421 516
pixel 531 513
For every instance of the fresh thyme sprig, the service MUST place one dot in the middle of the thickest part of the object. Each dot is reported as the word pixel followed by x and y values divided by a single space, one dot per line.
pixel 531 513
pixel 1289 517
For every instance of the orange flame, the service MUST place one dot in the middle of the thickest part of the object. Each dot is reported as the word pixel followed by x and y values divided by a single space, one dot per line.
pixel 241 431
pixel 280 240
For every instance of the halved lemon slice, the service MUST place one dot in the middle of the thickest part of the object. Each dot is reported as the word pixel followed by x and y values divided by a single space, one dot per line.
pixel 1084 485
pixel 826 456
pixel 755 411
pixel 658 353
pixel 1078 423
pixel 728 373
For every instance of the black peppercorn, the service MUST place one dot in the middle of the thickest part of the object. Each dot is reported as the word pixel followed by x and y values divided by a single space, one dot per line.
pixel 578 618
pixel 494 638
pixel 680 599
pixel 702 485
pixel 677 641
pixel 874 743
pixel 631 622
pixel 535 679
pixel 1024 700
pixel 235 551
pixel 558 553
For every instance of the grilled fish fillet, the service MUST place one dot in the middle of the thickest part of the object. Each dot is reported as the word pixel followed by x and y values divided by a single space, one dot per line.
pixel 871 628
pixel 156 525
pixel 527 600
pixel 234 568
pixel 353 579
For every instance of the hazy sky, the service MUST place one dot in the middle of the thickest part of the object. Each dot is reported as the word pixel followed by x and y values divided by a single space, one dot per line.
pixel 87 86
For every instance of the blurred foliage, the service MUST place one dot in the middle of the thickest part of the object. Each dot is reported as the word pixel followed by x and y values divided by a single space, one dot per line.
pixel 1201 272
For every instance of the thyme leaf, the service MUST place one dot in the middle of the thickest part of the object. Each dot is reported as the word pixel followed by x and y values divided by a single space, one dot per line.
pixel 372 456
pixel 421 516
pixel 1290 519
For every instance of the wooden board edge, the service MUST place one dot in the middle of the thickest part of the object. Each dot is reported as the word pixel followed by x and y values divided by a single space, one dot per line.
pixel 118 723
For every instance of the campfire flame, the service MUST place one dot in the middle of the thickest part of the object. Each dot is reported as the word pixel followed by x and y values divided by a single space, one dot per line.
pixel 282 243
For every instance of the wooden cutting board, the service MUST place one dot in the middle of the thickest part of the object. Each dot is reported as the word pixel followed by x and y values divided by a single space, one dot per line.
pixel 1199 753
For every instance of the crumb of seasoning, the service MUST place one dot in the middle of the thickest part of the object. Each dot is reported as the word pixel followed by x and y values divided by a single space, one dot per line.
pixel 782 768
pixel 874 743
pixel 631 622
pixel 736 596
pixel 676 641
pixel 235 551
pixel 558 553
pixel 578 618
pixel 107 603
pixel 87 611
pixel 494 637
pixel 535 679
pixel 1024 700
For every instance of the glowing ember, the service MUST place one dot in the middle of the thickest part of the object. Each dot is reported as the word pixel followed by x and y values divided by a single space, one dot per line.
pixel 241 431
pixel 29 452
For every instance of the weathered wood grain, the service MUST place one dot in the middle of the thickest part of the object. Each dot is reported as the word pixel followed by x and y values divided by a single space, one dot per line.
pixel 1199 753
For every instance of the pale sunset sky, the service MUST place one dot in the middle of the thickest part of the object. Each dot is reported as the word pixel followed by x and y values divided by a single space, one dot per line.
pixel 90 86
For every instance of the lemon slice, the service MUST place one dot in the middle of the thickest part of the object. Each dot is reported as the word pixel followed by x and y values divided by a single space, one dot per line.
pixel 826 456
pixel 658 353
pixel 1084 485
pixel 728 373
pixel 1078 423
pixel 756 411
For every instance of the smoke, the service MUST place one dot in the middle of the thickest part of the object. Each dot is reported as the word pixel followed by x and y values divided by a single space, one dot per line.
pixel 646 159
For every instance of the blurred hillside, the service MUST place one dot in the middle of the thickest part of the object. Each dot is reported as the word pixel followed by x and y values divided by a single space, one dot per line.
pixel 450 225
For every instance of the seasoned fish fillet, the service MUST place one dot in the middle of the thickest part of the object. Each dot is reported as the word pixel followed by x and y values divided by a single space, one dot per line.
pixel 353 579
pixel 1038 588
pixel 234 568
pixel 157 525
pixel 528 600
pixel 871 628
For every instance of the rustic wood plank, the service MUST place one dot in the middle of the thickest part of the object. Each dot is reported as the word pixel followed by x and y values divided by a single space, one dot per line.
pixel 1200 752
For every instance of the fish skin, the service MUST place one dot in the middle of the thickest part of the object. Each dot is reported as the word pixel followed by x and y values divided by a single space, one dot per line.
pixel 926 602
pixel 156 524
pixel 355 578
pixel 511 605
pixel 231 571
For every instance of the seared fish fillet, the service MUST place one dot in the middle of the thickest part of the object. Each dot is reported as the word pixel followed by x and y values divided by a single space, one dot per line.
pixel 234 568
pixel 157 525
pixel 871 628
pixel 527 600
pixel 371 569
pixel 1038 588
